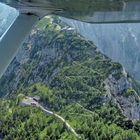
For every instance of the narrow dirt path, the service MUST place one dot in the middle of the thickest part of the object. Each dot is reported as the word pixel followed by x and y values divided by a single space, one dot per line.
pixel 28 101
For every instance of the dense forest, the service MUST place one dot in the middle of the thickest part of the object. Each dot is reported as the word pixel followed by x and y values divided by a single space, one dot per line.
pixel 70 76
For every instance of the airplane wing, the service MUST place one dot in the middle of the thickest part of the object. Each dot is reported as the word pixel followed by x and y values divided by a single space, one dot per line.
pixel 92 11
pixel 99 11
pixel 13 39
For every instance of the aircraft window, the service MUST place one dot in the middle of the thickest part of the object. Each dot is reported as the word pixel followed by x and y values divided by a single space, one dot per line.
pixel 68 71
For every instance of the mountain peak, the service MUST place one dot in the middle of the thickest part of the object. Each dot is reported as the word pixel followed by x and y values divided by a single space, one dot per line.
pixel 73 79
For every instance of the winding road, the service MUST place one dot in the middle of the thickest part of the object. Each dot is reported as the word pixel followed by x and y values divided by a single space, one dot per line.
pixel 29 101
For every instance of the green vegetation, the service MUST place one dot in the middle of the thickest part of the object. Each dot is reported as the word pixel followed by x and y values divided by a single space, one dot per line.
pixel 31 123
pixel 67 72
pixel 129 92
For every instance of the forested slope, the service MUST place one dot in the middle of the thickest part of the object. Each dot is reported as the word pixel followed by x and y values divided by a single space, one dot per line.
pixel 72 78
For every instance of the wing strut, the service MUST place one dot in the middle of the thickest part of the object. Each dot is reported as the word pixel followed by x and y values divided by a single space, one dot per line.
pixel 14 38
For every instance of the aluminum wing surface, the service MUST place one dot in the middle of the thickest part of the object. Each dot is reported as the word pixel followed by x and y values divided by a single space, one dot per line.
pixel 93 11
pixel 99 11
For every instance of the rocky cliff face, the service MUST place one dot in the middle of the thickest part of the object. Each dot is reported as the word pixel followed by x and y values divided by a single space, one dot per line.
pixel 120 89
pixel 121 42
pixel 56 55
